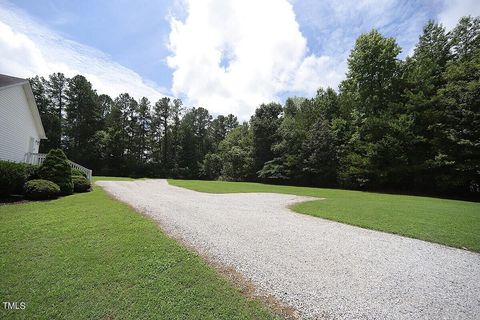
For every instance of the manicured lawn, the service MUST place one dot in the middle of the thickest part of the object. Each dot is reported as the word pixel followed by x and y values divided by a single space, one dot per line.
pixel 450 222
pixel 88 256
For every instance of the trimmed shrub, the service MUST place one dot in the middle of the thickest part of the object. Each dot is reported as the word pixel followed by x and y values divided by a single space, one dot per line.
pixel 78 173
pixel 41 189
pixel 80 184
pixel 32 172
pixel 56 168
pixel 13 176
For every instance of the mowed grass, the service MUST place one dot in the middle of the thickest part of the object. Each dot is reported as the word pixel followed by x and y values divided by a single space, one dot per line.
pixel 87 256
pixel 450 222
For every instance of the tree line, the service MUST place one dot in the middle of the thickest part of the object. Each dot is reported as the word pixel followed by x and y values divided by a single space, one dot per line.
pixel 401 125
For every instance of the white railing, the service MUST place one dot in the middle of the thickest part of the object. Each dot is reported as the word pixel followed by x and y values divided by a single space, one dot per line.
pixel 38 158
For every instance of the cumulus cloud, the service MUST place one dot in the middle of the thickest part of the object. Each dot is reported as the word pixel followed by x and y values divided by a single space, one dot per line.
pixel 315 72
pixel 29 49
pixel 231 56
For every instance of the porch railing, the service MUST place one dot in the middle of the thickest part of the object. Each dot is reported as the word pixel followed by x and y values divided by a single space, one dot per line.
pixel 38 158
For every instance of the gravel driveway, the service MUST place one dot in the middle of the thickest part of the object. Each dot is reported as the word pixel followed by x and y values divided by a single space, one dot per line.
pixel 321 268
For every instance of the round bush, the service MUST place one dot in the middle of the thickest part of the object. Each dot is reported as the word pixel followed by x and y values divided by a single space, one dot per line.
pixel 56 168
pixel 12 177
pixel 41 189
pixel 80 184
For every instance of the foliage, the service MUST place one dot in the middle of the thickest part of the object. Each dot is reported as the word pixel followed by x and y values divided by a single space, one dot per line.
pixel 95 258
pixel 458 155
pixel 236 151
pixel 195 142
pixel 373 80
pixel 78 173
pixel 81 121
pixel 40 189
pixel 56 168
pixel 264 124
pixel 81 184
pixel 13 176
pixel 212 166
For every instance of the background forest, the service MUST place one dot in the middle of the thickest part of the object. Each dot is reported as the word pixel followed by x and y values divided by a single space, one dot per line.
pixel 408 125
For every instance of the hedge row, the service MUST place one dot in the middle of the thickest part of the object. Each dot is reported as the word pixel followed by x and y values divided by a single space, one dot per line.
pixel 42 182
pixel 14 175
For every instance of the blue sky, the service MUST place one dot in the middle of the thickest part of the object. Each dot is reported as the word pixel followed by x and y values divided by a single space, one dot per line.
pixel 133 33
pixel 228 56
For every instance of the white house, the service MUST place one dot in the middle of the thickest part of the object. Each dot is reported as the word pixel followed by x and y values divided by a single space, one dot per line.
pixel 20 125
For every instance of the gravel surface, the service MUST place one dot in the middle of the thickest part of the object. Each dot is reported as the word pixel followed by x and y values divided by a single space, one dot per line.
pixel 321 268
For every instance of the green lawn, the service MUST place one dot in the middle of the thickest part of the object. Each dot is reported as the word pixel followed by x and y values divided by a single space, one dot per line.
pixel 89 256
pixel 450 222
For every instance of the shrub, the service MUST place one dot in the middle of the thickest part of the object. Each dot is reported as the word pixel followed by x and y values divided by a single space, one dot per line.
pixel 32 172
pixel 80 184
pixel 41 189
pixel 56 168
pixel 78 173
pixel 13 176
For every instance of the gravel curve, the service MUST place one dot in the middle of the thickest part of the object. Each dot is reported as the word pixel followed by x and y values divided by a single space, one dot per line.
pixel 323 269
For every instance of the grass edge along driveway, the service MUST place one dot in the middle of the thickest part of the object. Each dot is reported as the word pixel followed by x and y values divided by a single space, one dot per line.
pixel 450 222
pixel 90 256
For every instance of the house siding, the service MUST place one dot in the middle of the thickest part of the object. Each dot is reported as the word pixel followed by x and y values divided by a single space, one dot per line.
pixel 17 125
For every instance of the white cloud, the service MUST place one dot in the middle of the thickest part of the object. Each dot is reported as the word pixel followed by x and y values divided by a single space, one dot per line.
pixel 230 56
pixel 29 49
pixel 315 72
pixel 335 25
pixel 453 10
pixel 19 53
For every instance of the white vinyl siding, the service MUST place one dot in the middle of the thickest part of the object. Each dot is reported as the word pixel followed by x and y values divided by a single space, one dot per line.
pixel 17 126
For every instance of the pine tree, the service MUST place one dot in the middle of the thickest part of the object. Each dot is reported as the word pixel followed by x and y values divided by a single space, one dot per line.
pixel 56 89
pixel 82 120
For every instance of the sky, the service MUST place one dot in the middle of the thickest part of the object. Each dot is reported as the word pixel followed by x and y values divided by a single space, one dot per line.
pixel 226 56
